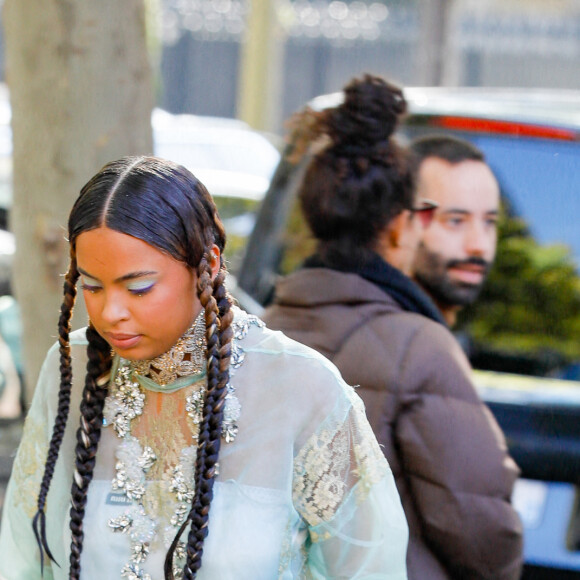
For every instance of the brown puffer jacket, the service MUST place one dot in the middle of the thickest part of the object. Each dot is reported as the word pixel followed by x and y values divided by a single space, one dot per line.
pixel 447 453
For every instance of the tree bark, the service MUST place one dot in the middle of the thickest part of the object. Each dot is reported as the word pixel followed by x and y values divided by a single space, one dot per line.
pixel 433 51
pixel 261 66
pixel 81 95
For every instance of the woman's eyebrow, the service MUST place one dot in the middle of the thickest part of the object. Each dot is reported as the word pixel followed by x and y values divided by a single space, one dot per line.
pixel 86 274
pixel 125 277
pixel 134 275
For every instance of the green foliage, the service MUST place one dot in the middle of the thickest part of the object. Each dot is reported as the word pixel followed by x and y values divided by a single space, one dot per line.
pixel 230 209
pixel 298 240
pixel 531 302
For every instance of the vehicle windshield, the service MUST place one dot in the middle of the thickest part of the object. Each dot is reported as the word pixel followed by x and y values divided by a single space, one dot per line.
pixel 541 181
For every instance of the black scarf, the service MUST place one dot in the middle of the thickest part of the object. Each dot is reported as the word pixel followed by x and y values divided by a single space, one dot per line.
pixel 399 287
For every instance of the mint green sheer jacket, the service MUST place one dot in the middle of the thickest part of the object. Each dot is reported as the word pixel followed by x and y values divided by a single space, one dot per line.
pixel 303 491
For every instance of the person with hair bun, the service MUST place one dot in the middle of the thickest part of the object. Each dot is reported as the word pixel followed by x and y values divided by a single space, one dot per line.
pixel 355 303
pixel 176 436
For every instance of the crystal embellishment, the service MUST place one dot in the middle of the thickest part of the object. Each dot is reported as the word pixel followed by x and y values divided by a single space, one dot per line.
pixel 133 571
pixel 125 402
pixel 120 524
pixel 233 409
pixel 185 358
pixel 194 407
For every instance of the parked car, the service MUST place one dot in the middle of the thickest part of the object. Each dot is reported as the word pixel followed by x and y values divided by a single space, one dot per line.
pixel 531 139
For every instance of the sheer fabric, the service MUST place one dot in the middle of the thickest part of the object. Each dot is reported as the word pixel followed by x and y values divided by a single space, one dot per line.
pixel 303 490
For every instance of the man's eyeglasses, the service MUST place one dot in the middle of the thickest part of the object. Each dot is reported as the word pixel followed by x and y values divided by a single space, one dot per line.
pixel 425 211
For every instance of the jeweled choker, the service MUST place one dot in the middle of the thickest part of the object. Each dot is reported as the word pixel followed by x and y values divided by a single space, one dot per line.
pixel 185 358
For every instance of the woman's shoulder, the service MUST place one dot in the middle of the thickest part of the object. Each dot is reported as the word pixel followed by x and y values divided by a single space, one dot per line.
pixel 278 346
pixel 293 369
pixel 79 337
pixel 78 344
pixel 76 338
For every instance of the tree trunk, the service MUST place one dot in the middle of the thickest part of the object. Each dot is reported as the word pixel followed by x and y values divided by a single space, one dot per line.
pixel 261 66
pixel 433 52
pixel 81 94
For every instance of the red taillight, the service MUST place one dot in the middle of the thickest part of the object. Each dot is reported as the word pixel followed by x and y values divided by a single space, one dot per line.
pixel 478 125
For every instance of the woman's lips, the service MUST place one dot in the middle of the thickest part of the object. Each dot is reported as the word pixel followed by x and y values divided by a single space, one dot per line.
pixel 122 341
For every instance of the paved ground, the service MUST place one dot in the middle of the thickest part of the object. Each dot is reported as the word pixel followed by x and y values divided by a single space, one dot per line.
pixel 10 433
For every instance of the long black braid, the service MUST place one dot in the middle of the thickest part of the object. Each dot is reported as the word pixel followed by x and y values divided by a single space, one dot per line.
pixel 64 395
pixel 88 436
pixel 218 317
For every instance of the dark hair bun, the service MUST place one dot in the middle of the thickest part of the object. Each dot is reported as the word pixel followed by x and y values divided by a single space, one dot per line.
pixel 361 179
pixel 368 117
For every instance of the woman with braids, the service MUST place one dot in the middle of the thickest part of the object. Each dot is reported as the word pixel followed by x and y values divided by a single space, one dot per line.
pixel 355 303
pixel 176 436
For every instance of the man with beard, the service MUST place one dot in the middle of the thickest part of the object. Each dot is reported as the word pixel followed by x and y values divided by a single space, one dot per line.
pixel 458 248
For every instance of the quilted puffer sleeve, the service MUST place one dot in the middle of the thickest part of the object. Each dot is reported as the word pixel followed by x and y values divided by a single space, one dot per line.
pixel 455 458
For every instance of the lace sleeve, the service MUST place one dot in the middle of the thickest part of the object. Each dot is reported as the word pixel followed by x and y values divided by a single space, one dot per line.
pixel 19 553
pixel 344 489
pixel 18 550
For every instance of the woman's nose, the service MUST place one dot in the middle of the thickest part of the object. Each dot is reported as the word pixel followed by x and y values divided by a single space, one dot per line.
pixel 114 309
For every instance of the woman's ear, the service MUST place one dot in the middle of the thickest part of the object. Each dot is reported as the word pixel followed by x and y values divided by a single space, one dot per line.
pixel 397 243
pixel 396 230
pixel 214 261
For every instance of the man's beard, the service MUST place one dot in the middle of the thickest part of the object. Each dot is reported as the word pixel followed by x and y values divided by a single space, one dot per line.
pixel 431 271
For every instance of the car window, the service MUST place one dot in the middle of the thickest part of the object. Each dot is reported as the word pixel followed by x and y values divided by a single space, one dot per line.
pixel 541 179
